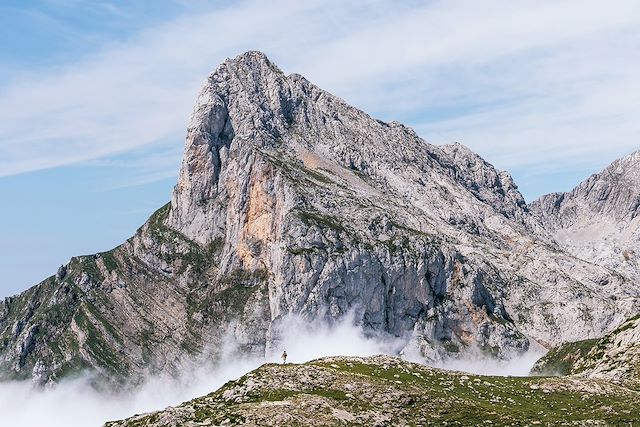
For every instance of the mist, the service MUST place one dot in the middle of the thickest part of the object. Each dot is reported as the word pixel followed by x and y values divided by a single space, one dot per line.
pixel 75 403
pixel 518 366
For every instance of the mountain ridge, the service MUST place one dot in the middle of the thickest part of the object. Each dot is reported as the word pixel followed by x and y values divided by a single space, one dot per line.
pixel 382 390
pixel 289 201
pixel 599 220
pixel 616 356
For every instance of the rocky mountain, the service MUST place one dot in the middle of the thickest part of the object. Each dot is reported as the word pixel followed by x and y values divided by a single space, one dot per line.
pixel 599 220
pixel 386 391
pixel 290 201
pixel 616 356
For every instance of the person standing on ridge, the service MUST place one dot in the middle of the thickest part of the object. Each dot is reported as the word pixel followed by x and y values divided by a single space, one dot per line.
pixel 284 357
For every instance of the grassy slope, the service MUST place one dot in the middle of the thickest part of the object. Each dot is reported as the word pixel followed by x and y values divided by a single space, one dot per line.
pixel 389 391
pixel 617 351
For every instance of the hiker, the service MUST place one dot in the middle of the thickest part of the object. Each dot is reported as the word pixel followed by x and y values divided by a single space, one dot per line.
pixel 284 357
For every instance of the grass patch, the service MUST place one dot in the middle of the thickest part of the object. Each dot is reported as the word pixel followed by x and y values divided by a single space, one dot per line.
pixel 560 360
pixel 109 260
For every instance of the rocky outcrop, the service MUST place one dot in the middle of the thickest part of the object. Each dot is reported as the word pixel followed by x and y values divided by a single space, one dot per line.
pixel 383 391
pixel 616 356
pixel 599 220
pixel 289 201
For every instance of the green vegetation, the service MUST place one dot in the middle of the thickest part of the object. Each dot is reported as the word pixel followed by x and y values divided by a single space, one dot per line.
pixel 232 294
pixel 302 251
pixel 109 259
pixel 504 400
pixel 324 221
pixel 560 360
pixel 181 251
pixel 85 264
pixel 316 175
pixel 234 298
pixel 355 391
pixel 628 324
pixel 295 170
pixel 616 355
pixel 451 347
pixel 98 347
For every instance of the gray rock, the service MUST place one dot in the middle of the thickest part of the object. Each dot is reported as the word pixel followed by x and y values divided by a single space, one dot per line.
pixel 62 271
pixel 616 356
pixel 383 391
pixel 599 220
pixel 289 201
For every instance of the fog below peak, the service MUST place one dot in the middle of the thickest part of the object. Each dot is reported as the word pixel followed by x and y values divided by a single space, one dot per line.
pixel 75 403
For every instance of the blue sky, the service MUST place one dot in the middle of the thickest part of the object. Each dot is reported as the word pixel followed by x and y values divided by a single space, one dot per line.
pixel 95 96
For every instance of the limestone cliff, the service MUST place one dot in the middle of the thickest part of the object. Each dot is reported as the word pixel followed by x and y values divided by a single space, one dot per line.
pixel 599 220
pixel 290 201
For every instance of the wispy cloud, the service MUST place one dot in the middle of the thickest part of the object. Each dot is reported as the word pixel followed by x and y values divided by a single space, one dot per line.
pixel 141 166
pixel 529 84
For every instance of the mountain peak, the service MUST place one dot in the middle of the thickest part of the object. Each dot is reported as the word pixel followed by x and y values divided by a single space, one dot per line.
pixel 603 208
pixel 251 56
pixel 626 168
pixel 291 202
pixel 251 60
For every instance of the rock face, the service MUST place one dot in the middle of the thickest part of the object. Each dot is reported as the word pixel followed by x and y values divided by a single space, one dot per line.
pixel 616 356
pixel 289 201
pixel 599 220
pixel 386 391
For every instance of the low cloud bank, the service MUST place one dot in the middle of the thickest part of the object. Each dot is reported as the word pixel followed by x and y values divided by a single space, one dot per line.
pixel 517 367
pixel 75 403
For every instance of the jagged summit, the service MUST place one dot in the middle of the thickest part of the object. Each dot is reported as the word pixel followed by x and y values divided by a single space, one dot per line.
pixel 290 202
pixel 250 101
pixel 614 192
pixel 599 220
pixel 251 65
pixel 252 58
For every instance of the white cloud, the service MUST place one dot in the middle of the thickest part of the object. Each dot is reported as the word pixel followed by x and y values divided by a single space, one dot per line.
pixel 141 166
pixel 530 84
pixel 75 404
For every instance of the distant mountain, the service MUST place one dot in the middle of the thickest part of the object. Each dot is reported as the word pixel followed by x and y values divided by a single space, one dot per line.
pixel 599 220
pixel 385 391
pixel 290 201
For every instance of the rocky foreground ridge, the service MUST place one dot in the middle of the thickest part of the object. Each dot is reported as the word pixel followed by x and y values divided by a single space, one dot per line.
pixel 616 356
pixel 387 391
pixel 290 201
